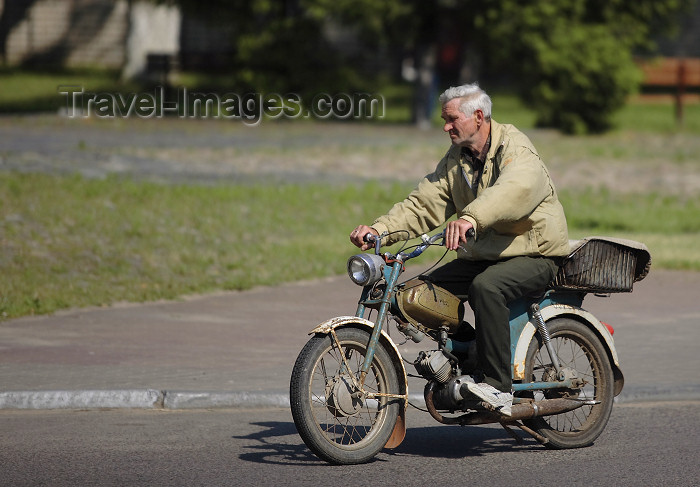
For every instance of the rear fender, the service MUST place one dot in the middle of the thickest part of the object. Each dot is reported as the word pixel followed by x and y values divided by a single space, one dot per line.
pixel 563 310
pixel 353 321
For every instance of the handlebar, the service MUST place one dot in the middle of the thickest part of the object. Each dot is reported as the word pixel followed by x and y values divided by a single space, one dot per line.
pixel 427 242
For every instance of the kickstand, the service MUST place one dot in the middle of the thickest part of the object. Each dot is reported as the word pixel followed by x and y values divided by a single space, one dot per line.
pixel 540 439
pixel 512 433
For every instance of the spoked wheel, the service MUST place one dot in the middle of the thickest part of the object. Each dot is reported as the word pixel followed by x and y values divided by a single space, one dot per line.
pixel 335 421
pixel 582 357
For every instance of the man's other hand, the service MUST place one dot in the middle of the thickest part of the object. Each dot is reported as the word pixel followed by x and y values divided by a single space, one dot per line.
pixel 456 233
pixel 357 236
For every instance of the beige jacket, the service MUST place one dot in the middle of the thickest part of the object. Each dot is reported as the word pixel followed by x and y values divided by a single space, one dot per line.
pixel 517 211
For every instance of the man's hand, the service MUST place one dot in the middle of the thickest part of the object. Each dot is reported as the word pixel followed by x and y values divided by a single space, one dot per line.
pixel 357 236
pixel 456 233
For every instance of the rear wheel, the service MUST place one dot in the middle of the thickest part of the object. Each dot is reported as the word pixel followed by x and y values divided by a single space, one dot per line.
pixel 336 423
pixel 582 356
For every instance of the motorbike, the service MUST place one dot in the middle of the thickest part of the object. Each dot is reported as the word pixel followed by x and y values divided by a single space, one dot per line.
pixel 349 385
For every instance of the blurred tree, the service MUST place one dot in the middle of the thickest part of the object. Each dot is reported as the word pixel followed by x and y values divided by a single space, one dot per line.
pixel 430 36
pixel 279 45
pixel 572 61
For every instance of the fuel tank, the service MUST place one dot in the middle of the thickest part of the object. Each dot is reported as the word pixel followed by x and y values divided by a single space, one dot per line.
pixel 424 303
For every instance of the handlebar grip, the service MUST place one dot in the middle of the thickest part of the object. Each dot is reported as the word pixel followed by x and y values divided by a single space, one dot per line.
pixel 369 238
pixel 470 233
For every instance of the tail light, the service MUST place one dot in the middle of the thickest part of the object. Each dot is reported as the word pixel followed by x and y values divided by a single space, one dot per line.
pixel 610 328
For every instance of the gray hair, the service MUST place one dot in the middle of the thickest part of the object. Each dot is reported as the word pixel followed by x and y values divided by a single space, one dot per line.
pixel 472 98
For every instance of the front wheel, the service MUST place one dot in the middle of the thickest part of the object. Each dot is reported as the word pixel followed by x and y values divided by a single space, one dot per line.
pixel 336 423
pixel 582 355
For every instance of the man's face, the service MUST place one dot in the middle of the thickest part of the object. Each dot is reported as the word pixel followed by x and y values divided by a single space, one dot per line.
pixel 462 128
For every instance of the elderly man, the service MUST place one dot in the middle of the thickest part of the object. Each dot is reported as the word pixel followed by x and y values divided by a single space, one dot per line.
pixel 494 181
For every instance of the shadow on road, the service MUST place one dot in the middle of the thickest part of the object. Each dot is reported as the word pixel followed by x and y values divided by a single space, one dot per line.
pixel 459 442
pixel 268 447
pixel 277 442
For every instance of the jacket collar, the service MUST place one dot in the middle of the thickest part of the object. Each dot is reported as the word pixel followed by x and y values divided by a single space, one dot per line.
pixel 497 132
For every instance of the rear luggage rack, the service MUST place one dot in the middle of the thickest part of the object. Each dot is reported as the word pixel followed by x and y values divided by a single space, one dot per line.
pixel 603 265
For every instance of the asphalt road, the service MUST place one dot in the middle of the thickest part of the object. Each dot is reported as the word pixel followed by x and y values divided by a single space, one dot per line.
pixel 652 444
pixel 241 343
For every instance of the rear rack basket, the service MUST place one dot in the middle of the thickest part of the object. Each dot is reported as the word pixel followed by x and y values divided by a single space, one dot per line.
pixel 603 265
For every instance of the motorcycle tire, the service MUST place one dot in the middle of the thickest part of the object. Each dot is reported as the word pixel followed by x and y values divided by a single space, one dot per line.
pixel 337 427
pixel 578 349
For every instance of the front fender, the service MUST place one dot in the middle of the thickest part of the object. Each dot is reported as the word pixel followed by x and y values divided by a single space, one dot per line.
pixel 561 310
pixel 348 321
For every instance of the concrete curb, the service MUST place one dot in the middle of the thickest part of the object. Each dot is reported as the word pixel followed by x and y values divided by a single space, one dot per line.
pixel 204 400
pixel 180 400
pixel 95 399
pixel 147 399
pixel 651 393
pixel 138 399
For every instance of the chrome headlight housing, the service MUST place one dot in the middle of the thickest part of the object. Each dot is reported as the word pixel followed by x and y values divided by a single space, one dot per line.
pixel 365 269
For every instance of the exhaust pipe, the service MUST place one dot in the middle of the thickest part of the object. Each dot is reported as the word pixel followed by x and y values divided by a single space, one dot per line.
pixel 519 411
pixel 546 407
pixel 533 409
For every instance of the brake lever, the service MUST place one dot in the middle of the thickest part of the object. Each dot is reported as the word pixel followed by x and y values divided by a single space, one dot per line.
pixel 469 234
pixel 376 240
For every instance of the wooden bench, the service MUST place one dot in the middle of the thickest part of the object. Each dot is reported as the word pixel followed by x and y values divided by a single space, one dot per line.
pixel 671 75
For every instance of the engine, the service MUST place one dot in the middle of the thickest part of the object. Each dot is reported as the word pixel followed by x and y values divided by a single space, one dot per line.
pixel 434 365
pixel 444 378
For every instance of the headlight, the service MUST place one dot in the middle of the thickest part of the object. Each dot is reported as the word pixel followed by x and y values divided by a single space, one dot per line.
pixel 365 269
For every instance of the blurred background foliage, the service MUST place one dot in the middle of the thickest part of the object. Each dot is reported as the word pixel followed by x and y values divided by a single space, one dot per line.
pixel 572 62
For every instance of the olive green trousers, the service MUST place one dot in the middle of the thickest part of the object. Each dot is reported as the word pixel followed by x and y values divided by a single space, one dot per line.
pixel 489 287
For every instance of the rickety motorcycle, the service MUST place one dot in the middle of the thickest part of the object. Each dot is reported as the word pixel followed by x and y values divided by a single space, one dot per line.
pixel 349 385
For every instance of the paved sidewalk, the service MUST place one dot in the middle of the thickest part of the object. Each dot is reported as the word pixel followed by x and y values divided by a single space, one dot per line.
pixel 237 348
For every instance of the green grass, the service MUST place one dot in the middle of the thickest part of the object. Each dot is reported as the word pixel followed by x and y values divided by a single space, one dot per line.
pixel 68 241
pixel 72 242
pixel 657 116
pixel 605 211
pixel 32 91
